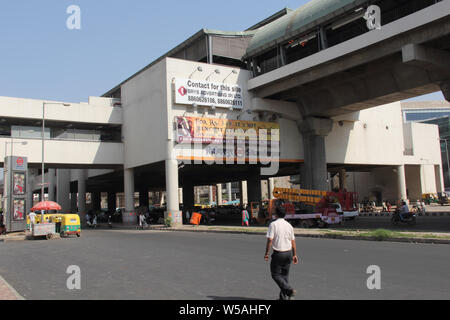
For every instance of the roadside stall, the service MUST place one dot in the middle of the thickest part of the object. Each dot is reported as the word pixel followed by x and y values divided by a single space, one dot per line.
pixel 44 226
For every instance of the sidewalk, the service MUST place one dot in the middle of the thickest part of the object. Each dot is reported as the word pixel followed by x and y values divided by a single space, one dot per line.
pixel 7 292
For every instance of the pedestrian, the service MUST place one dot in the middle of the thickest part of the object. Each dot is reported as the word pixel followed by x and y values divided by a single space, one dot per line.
pixel 245 217
pixel 281 238
pixel 142 222
pixel 188 217
pixel 32 216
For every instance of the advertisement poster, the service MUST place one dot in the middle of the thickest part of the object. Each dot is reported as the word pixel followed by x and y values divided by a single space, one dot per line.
pixel 204 93
pixel 19 209
pixel 210 130
pixel 19 184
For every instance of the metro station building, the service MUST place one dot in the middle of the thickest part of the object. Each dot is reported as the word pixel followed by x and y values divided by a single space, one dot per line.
pixel 322 84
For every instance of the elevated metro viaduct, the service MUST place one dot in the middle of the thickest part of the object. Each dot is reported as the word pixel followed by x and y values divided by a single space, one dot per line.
pixel 301 69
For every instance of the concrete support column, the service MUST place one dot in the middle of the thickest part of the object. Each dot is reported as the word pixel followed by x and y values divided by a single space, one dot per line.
pixel 73 202
pixel 129 216
pixel 143 198
pixel 96 201
pixel 271 187
pixel 343 179
pixel 173 206
pixel 197 195
pixel 229 193
pixel 254 187
pixel 82 174
pixel 243 192
pixel 63 189
pixel 188 197
pixel 401 183
pixel 219 194
pixel 51 184
pixel 314 172
pixel 180 195
pixel 112 201
pixel 211 195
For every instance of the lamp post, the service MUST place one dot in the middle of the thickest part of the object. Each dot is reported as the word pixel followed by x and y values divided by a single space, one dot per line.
pixel 43 148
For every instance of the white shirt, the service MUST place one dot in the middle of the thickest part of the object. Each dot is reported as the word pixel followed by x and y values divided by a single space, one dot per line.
pixel 281 233
pixel 32 216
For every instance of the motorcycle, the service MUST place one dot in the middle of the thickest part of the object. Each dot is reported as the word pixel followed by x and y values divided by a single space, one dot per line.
pixel 408 218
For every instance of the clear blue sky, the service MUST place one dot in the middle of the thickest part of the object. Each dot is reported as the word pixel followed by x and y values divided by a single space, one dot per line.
pixel 40 58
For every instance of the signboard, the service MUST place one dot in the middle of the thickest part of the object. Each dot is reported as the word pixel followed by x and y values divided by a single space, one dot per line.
pixel 15 193
pixel 212 130
pixel 204 93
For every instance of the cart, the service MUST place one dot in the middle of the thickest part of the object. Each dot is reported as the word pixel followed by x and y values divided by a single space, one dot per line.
pixel 46 230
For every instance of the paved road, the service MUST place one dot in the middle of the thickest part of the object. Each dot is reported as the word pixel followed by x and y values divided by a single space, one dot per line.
pixel 175 265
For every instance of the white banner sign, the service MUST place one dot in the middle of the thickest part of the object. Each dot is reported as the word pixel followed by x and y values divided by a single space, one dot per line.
pixel 204 93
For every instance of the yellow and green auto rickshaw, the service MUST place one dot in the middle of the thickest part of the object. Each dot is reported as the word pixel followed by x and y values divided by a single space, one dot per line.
pixel 70 224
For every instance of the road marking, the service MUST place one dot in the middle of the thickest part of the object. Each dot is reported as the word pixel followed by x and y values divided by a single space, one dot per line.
pixel 7 292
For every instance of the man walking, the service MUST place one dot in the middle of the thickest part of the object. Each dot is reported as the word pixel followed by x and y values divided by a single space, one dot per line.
pixel 281 238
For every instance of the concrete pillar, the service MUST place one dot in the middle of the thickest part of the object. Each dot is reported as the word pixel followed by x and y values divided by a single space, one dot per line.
pixel 143 198
pixel 342 179
pixel 211 195
pixel 162 198
pixel 243 192
pixel 219 194
pixel 63 189
pixel 82 174
pixel 229 193
pixel 51 174
pixel 254 187
pixel 271 187
pixel 197 195
pixel 129 215
pixel 401 183
pixel 173 206
pixel 112 202
pixel 314 172
pixel 188 197
pixel 180 195
pixel 73 202
pixel 96 201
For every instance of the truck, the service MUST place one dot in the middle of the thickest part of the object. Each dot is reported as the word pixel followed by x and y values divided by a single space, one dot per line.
pixel 307 208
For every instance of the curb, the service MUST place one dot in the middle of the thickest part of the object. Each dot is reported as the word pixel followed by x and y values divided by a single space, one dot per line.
pixel 317 236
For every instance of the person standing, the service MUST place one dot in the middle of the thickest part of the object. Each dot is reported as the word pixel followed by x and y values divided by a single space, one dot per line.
pixel 245 217
pixel 281 238
pixel 32 216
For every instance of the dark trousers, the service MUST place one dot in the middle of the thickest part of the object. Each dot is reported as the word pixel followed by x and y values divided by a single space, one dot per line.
pixel 279 267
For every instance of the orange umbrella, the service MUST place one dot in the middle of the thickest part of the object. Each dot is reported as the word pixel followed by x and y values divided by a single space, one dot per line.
pixel 46 206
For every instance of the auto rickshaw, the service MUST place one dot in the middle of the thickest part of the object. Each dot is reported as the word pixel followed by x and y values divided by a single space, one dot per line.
pixel 70 224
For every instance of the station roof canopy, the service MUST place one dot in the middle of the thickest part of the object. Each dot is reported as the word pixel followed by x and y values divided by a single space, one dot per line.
pixel 294 23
